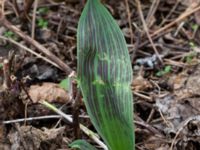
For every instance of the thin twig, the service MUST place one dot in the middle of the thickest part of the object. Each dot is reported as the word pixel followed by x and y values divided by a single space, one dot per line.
pixel 150 115
pixel 31 119
pixel 6 73
pixel 129 20
pixel 165 120
pixel 142 96
pixel 2 2
pixel 181 127
pixel 142 123
pixel 28 50
pixel 147 30
pixel 59 27
pixel 180 18
pixel 27 7
pixel 33 19
pixel 167 28
pixel 63 66
pixel 170 13
pixel 15 7
pixel 76 106
pixel 38 118
pixel 152 11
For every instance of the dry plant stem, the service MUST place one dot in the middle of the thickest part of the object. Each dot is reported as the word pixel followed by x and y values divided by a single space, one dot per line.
pixel 165 120
pixel 29 50
pixel 180 27
pixel 129 20
pixel 59 27
pixel 135 48
pixel 176 63
pixel 150 115
pixel 38 118
pixel 40 47
pixel 154 38
pixel 11 56
pixel 167 28
pixel 180 18
pixel 170 13
pixel 33 19
pixel 27 7
pixel 148 98
pixel 2 2
pixel 147 126
pixel 76 114
pixel 88 132
pixel 27 102
pixel 15 7
pixel 147 30
pixel 6 72
pixel 31 119
pixel 140 122
pixel 152 11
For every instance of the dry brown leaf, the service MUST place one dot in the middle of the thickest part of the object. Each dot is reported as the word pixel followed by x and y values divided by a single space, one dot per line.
pixel 178 81
pixel 154 142
pixel 50 92
pixel 140 84
pixel 54 132
pixel 33 137
pixel 188 85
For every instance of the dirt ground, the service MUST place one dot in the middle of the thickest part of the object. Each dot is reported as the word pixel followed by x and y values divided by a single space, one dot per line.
pixel 38 53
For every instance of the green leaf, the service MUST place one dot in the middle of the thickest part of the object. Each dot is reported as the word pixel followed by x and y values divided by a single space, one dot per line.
pixel 9 34
pixel 166 70
pixel 42 23
pixel 192 45
pixel 195 27
pixel 190 57
pixel 65 84
pixel 105 74
pixel 159 73
pixel 82 145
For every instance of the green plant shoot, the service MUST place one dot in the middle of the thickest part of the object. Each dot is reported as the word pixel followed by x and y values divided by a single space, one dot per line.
pixel 10 34
pixel 104 75
pixel 82 145
pixel 42 23
pixel 167 69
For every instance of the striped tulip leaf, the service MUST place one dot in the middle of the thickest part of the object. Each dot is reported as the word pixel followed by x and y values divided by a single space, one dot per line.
pixel 104 74
pixel 82 145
